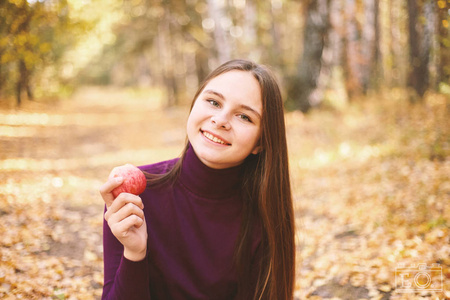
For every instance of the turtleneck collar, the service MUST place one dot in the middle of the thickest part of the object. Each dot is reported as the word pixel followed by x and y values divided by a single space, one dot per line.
pixel 208 182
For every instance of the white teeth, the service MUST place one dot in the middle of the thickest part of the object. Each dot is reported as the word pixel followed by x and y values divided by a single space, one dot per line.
pixel 213 138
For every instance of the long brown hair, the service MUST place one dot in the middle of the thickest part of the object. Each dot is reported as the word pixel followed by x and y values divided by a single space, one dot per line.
pixel 267 198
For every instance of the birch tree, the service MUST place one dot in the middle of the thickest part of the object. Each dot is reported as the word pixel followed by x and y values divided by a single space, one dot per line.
pixel 303 88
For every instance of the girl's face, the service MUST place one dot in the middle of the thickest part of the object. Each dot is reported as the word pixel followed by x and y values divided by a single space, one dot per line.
pixel 225 121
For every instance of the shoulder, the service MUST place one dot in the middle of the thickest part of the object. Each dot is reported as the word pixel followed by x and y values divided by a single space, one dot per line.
pixel 160 167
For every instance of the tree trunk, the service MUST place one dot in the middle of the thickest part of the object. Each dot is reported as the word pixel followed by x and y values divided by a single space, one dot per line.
pixel 250 30
pixel 222 45
pixel 352 66
pixel 2 78
pixel 201 63
pixel 24 71
pixel 433 32
pixel 336 34
pixel 167 60
pixel 23 83
pixel 19 88
pixel 276 56
pixel 426 44
pixel 378 59
pixel 443 63
pixel 397 63
pixel 368 45
pixel 333 58
pixel 302 88
pixel 419 48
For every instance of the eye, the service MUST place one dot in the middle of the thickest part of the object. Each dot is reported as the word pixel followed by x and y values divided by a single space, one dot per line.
pixel 245 118
pixel 213 102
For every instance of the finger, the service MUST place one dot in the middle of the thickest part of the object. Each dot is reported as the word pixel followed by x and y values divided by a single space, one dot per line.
pixel 126 211
pixel 122 200
pixel 112 172
pixel 106 189
pixel 121 228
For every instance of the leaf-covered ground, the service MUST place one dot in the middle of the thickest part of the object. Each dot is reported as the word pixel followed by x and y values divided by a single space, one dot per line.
pixel 371 185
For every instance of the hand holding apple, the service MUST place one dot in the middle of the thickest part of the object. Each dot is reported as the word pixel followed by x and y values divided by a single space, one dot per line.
pixel 125 210
pixel 134 180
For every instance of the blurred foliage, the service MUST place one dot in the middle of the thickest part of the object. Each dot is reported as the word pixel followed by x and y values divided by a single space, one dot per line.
pixel 317 48
pixel 34 37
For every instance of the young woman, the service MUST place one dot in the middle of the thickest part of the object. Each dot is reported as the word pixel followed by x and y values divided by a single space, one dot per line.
pixel 218 222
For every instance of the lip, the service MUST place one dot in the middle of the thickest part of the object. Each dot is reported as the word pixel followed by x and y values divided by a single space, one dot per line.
pixel 227 143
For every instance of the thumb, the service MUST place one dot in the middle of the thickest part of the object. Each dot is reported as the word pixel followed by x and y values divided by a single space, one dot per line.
pixel 107 187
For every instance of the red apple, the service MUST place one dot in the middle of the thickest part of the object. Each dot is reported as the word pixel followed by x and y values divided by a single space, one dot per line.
pixel 134 181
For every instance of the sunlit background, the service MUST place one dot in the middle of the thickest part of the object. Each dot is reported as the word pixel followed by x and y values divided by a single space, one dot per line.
pixel 86 85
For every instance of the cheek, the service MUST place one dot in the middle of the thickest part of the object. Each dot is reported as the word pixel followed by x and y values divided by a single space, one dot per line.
pixel 250 135
pixel 191 130
pixel 193 117
pixel 257 137
pixel 194 123
pixel 190 126
pixel 196 114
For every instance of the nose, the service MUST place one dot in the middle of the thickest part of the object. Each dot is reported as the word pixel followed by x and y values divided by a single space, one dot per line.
pixel 220 121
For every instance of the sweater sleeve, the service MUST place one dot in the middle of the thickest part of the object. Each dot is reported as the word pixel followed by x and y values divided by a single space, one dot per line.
pixel 123 278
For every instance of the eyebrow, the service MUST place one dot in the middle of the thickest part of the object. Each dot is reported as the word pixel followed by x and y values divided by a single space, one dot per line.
pixel 246 107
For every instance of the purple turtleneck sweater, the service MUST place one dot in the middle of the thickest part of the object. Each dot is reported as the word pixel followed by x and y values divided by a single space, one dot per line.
pixel 192 230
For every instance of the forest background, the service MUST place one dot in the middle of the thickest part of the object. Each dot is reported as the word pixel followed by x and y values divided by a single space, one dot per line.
pixel 86 85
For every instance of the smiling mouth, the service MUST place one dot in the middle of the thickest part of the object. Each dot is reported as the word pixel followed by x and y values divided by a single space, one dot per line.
pixel 213 138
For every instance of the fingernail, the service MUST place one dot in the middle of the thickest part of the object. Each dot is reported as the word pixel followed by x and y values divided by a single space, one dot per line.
pixel 119 179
